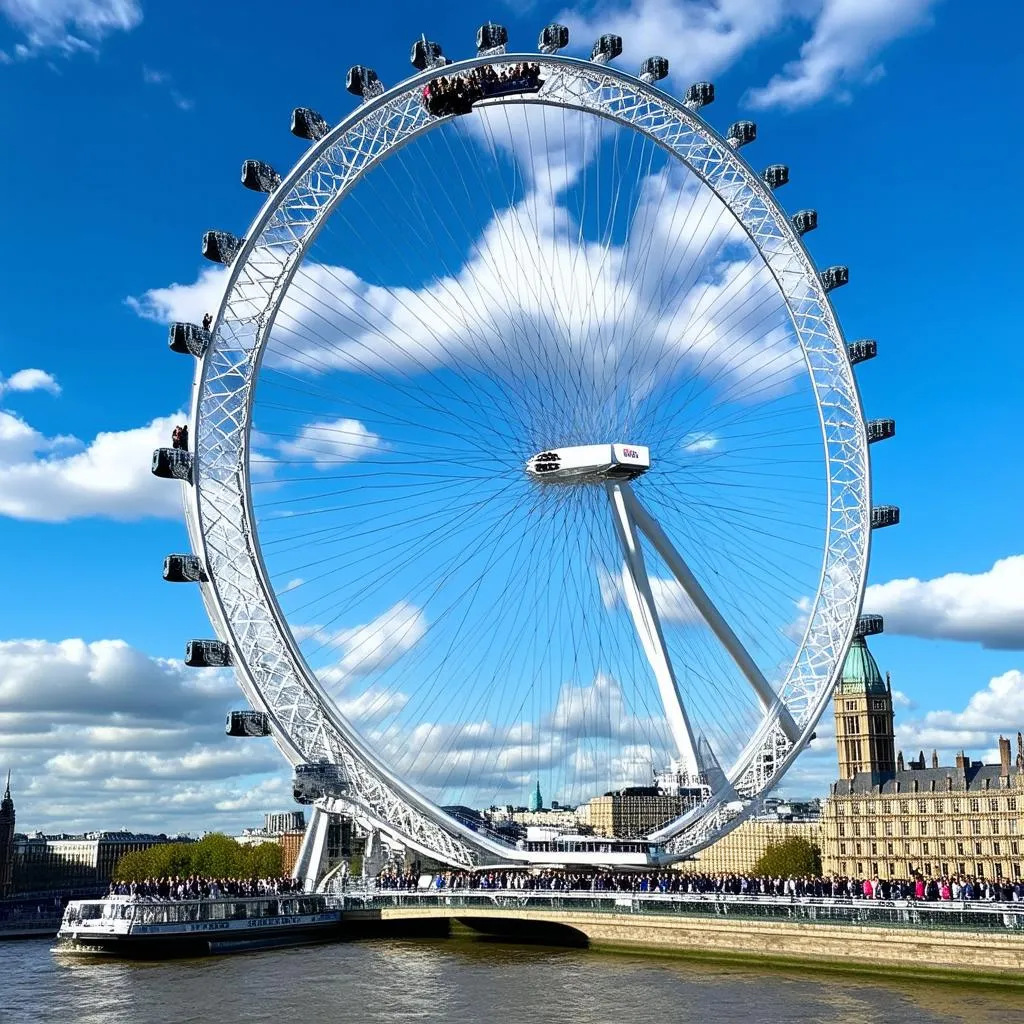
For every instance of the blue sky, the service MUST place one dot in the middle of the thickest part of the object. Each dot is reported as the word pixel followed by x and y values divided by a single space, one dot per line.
pixel 133 120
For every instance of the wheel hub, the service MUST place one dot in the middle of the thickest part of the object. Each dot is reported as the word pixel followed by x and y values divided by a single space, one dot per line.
pixel 589 463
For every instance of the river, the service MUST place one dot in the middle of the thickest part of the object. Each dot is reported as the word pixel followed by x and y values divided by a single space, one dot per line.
pixel 464 981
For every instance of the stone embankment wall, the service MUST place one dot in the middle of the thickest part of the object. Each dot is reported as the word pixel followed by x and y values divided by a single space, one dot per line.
pixel 849 947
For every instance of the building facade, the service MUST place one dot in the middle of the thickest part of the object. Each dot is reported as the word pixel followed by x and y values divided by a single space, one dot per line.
pixel 738 852
pixel 7 818
pixel 865 738
pixel 633 812
pixel 888 819
pixel 70 862
pixel 284 821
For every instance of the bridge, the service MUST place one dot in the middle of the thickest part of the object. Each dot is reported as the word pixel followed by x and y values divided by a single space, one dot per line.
pixel 983 940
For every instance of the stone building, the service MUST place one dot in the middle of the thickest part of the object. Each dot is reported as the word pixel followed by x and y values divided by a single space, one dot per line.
pixel 69 862
pixel 738 852
pixel 6 841
pixel 893 820
pixel 632 812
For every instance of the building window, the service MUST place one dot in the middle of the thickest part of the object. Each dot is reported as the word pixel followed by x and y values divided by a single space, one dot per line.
pixel 994 827
pixel 1012 828
pixel 922 806
pixel 924 849
pixel 960 850
pixel 842 829
pixel 889 849
pixel 979 869
pixel 977 849
pixel 923 825
pixel 905 828
pixel 887 807
pixel 995 849
pixel 857 851
pixel 851 705
pixel 1011 803
pixel 956 807
pixel 842 848
pixel 976 827
pixel 888 828
pixel 856 828
pixel 958 828
pixel 993 804
pixel 871 828
pixel 999 869
pixel 975 804
pixel 961 867
pixel 904 807
pixel 1015 848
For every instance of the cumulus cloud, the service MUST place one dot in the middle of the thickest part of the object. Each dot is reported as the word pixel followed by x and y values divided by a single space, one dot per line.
pixel 842 51
pixel 329 442
pixel 66 27
pixel 100 735
pixel 372 647
pixel 702 39
pixel 57 479
pixel 30 380
pixel 670 599
pixel 185 302
pixel 985 608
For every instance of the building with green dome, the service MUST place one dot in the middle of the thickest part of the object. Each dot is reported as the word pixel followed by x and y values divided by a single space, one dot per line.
pixel 865 739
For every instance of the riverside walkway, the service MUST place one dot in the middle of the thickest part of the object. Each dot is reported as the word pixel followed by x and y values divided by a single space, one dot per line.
pixel 982 939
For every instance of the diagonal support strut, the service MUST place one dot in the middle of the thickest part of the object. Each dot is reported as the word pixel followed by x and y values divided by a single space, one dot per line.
pixel 711 615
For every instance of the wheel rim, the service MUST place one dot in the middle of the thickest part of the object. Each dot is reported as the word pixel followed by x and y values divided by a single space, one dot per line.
pixel 241 600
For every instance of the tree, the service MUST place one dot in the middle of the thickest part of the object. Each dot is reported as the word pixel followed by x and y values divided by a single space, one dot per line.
pixel 213 856
pixel 793 856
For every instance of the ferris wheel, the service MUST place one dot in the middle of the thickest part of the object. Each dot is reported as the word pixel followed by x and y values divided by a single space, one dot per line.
pixel 526 452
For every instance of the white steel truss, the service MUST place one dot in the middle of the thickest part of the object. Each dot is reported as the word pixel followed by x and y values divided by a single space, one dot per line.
pixel 238 596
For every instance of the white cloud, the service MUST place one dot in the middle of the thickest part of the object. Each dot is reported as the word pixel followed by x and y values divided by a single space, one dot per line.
pixel 374 646
pixel 61 478
pixel 699 39
pixel 700 442
pixel 331 441
pixel 702 39
pixel 30 380
pixel 985 607
pixel 670 599
pixel 848 35
pixel 152 77
pixel 66 27
pixel 185 302
pixel 100 735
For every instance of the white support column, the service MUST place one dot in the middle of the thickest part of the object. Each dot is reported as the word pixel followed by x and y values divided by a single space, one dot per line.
pixel 309 866
pixel 711 615
pixel 640 600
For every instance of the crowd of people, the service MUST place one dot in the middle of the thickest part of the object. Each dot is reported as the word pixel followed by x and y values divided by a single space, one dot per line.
pixel 197 888
pixel 689 883
pixel 457 93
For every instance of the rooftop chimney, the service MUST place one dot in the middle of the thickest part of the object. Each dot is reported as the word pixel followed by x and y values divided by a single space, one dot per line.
pixel 935 759
pixel 899 762
pixel 1004 757
pixel 1020 751
pixel 961 760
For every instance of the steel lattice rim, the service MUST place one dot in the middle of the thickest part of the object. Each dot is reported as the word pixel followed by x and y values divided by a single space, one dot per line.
pixel 241 603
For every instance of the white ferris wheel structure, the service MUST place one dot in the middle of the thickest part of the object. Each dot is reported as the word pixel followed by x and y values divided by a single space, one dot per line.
pixel 569 469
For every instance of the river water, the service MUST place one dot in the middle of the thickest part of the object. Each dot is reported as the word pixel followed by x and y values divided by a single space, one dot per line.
pixel 463 981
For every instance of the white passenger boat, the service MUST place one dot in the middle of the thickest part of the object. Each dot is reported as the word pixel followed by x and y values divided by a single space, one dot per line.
pixel 132 927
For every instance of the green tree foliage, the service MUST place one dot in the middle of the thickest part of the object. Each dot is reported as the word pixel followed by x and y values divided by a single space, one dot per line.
pixel 793 856
pixel 214 856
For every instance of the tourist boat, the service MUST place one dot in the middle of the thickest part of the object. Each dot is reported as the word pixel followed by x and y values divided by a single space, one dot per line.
pixel 132 927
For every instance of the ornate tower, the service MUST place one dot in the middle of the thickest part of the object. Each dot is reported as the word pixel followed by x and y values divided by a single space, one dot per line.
pixel 864 718
pixel 6 841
